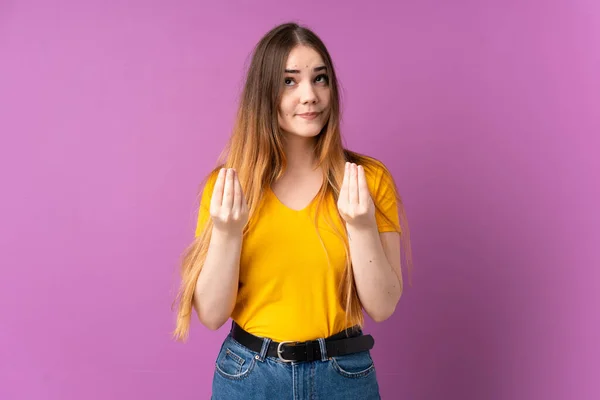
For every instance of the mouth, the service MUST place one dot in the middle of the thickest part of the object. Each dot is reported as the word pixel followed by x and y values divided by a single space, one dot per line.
pixel 310 115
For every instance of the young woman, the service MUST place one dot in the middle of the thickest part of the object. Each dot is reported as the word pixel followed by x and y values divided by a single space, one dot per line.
pixel 296 236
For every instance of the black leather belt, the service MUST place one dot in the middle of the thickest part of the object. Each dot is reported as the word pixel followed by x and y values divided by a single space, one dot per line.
pixel 337 345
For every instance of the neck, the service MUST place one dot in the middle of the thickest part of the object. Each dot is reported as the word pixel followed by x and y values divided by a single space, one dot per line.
pixel 300 153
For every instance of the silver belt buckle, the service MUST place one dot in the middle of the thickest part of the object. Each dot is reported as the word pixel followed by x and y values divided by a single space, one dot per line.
pixel 280 351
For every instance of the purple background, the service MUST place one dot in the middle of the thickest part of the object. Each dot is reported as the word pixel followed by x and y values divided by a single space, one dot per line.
pixel 487 112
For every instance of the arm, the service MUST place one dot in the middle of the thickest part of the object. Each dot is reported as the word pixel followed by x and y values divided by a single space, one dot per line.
pixel 376 267
pixel 216 288
pixel 375 257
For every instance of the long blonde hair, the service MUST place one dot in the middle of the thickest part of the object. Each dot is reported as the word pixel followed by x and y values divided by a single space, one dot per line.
pixel 255 151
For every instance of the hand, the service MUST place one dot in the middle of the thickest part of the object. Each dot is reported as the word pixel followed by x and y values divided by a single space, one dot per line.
pixel 228 207
pixel 355 203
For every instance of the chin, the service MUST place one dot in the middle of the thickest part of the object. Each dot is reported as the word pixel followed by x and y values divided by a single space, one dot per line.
pixel 305 131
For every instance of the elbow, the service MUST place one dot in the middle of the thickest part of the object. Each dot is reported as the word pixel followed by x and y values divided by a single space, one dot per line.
pixel 213 325
pixel 381 315
pixel 212 321
pixel 383 312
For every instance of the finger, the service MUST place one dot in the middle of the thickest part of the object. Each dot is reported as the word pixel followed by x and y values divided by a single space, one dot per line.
pixel 217 194
pixel 237 197
pixel 353 185
pixel 228 192
pixel 344 188
pixel 363 188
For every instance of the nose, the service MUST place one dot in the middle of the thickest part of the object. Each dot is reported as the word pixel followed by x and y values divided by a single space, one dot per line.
pixel 308 94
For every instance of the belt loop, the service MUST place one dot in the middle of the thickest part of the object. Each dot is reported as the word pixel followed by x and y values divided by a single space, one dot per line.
pixel 264 349
pixel 323 349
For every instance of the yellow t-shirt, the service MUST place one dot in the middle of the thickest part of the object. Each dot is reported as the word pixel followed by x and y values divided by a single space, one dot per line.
pixel 287 288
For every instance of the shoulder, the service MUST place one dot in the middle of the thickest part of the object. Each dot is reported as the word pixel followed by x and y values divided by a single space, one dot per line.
pixel 376 171
pixel 371 164
pixel 211 178
pixel 208 184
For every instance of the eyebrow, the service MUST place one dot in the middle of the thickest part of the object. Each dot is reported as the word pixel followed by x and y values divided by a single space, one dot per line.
pixel 295 71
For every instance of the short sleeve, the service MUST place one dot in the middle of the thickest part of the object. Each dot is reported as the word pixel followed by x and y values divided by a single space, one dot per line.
pixel 204 208
pixel 384 196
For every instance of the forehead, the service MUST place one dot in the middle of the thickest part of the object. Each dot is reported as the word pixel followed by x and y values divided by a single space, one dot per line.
pixel 304 57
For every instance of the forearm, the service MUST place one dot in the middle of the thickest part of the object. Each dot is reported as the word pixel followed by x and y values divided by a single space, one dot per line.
pixel 378 286
pixel 216 289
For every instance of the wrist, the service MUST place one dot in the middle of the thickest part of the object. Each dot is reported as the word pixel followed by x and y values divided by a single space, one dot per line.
pixel 226 234
pixel 364 228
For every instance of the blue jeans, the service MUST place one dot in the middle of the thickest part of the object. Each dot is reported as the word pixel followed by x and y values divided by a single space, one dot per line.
pixel 243 374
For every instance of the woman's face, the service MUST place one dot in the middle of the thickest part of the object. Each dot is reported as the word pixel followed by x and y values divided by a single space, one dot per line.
pixel 304 107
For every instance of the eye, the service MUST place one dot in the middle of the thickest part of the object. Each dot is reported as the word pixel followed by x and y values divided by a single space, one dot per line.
pixel 288 81
pixel 323 78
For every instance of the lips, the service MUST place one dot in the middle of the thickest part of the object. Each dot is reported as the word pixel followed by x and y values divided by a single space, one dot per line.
pixel 310 115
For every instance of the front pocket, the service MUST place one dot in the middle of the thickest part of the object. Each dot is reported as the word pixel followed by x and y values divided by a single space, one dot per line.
pixel 233 363
pixel 355 365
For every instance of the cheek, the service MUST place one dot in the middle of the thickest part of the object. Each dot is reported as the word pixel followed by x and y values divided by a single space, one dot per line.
pixel 284 115
pixel 285 110
pixel 326 96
